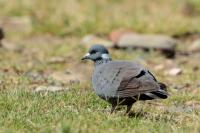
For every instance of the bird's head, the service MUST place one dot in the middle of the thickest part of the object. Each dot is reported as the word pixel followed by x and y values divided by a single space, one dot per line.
pixel 97 52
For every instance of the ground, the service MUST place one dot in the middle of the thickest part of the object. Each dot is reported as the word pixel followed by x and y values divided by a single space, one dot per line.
pixel 43 39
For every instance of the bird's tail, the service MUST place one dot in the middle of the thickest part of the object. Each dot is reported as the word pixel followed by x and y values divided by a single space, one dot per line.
pixel 162 92
pixel 159 94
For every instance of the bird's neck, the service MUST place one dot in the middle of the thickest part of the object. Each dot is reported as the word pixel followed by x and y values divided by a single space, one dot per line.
pixel 102 61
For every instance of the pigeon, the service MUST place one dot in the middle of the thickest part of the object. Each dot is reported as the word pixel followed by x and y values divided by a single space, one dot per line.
pixel 122 82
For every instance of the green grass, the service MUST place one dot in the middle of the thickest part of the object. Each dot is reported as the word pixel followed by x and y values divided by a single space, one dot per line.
pixel 82 111
pixel 57 28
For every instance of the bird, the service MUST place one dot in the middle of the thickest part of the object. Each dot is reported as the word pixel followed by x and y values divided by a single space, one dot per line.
pixel 121 82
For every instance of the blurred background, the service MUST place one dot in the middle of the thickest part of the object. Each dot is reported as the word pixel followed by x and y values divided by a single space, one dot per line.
pixel 42 42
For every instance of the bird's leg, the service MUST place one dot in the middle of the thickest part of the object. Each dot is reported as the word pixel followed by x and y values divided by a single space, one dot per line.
pixel 113 108
pixel 128 109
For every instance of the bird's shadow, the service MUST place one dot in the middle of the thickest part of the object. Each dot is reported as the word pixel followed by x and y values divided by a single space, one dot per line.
pixel 140 114
pixel 133 114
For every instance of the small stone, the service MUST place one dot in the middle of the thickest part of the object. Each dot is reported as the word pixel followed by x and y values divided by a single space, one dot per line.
pixel 115 35
pixel 11 46
pixel 162 43
pixel 182 86
pixel 54 60
pixel 67 77
pixel 159 67
pixel 17 24
pixel 90 40
pixel 49 88
pixel 195 46
pixel 174 71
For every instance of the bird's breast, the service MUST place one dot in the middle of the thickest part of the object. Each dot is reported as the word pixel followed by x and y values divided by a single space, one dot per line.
pixel 104 84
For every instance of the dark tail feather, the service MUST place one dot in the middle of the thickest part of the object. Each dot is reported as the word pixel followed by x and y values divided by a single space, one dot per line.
pixel 162 92
pixel 159 94
pixel 163 86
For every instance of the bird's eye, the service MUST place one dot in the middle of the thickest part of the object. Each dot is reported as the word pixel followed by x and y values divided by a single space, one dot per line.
pixel 93 52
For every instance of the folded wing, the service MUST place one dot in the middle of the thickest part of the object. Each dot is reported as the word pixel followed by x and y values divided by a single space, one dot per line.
pixel 142 84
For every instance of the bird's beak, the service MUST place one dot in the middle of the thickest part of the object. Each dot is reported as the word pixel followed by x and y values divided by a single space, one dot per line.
pixel 86 56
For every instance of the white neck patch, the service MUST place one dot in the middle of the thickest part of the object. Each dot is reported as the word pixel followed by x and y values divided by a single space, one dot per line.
pixel 105 56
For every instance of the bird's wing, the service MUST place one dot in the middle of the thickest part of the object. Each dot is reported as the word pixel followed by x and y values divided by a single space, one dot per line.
pixel 132 85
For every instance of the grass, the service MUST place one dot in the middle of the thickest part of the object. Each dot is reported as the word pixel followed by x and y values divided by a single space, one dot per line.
pixel 56 30
pixel 54 112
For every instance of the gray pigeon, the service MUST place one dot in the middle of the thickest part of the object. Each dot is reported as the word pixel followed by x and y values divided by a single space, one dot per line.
pixel 122 82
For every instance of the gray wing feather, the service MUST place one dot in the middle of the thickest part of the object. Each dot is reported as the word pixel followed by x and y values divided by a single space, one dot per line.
pixel 122 79
pixel 107 77
pixel 132 86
